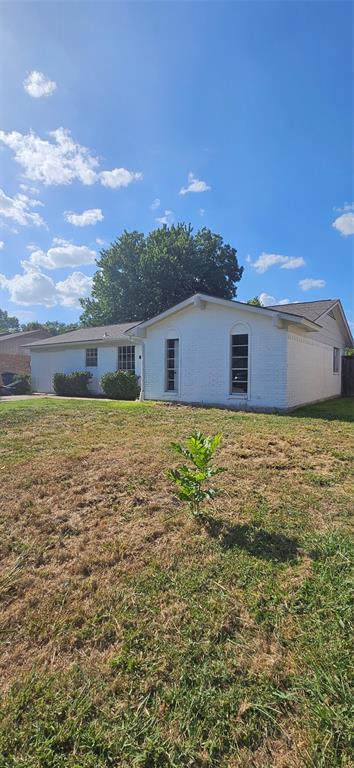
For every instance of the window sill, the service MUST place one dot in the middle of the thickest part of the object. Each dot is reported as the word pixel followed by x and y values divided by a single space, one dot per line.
pixel 240 396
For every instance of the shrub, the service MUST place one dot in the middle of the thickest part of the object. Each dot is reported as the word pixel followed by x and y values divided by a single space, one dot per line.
pixel 21 384
pixel 190 480
pixel 72 384
pixel 121 385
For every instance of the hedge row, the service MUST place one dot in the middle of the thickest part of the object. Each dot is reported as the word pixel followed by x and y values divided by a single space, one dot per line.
pixel 118 385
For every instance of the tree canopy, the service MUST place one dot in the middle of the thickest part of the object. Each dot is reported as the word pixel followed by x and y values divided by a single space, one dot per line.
pixel 54 327
pixel 142 275
pixel 8 323
pixel 255 301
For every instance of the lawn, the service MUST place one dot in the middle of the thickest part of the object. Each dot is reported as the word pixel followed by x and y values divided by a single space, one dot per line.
pixel 133 636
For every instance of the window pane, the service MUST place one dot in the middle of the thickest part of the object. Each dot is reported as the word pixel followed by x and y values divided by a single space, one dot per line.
pixel 239 388
pixel 240 338
pixel 91 357
pixel 239 351
pixel 240 362
pixel 126 358
pixel 239 376
pixel 171 375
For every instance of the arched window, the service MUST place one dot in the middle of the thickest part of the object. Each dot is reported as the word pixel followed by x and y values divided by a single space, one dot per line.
pixel 239 359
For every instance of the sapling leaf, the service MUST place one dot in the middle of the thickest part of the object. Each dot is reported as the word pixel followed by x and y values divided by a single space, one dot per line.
pixel 190 481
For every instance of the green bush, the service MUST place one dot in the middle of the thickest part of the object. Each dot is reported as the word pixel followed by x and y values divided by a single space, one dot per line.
pixel 121 385
pixel 21 384
pixel 72 384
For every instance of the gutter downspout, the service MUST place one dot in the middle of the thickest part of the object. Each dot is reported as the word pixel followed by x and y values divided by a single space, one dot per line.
pixel 142 383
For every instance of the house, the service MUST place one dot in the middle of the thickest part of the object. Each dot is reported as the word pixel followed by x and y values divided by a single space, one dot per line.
pixel 14 356
pixel 212 351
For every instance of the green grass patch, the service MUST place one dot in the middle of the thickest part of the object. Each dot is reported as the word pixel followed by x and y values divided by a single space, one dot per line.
pixel 134 636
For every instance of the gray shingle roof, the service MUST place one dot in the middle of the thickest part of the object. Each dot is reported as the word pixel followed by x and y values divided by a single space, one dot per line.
pixel 20 334
pixel 98 333
pixel 311 310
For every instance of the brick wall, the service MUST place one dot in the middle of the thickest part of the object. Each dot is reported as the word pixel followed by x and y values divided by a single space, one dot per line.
pixel 14 363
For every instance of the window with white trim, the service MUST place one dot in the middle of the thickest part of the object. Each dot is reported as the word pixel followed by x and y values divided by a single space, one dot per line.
pixel 171 380
pixel 91 357
pixel 336 360
pixel 126 358
pixel 239 364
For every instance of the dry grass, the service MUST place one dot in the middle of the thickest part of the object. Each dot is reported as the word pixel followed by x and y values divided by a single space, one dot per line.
pixel 131 636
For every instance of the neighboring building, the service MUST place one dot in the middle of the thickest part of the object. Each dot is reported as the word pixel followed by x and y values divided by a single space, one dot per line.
pixel 212 351
pixel 14 357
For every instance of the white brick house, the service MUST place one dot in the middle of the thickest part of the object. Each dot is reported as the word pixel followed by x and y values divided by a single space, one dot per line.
pixel 212 351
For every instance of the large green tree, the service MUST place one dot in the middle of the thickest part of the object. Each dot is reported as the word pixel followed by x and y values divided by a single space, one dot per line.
pixel 8 323
pixel 140 276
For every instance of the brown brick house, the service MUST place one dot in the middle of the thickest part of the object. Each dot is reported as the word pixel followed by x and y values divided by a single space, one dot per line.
pixel 14 357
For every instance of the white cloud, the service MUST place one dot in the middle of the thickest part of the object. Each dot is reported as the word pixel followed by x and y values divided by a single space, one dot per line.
pixel 76 286
pixel 100 241
pixel 309 283
pixel 344 224
pixel 61 160
pixel 201 211
pixel 34 287
pixel 37 85
pixel 267 260
pixel 167 218
pixel 269 301
pixel 155 204
pixel 17 209
pixel 194 185
pixel 91 216
pixel 62 254
pixel 293 262
pixel 119 177
pixel 2 245
pixel 30 190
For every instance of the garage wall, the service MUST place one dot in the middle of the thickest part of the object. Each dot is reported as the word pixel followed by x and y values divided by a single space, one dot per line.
pixel 46 362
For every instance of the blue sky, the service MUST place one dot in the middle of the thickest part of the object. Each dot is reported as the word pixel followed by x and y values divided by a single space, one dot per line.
pixel 236 116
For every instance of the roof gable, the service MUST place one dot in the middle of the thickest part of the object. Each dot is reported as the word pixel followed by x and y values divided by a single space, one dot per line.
pixel 201 299
pixel 312 310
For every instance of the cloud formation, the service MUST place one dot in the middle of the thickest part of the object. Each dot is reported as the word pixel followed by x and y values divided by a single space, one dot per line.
pixel 34 287
pixel 308 283
pixel 62 254
pixel 84 219
pixel 18 209
pixel 345 223
pixel 61 160
pixel 155 204
pixel 37 85
pixel 167 218
pixel 76 286
pixel 269 301
pixel 194 185
pixel 267 260
pixel 119 177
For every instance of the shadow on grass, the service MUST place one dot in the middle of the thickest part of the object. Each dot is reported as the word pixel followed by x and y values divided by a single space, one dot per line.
pixel 339 409
pixel 253 539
